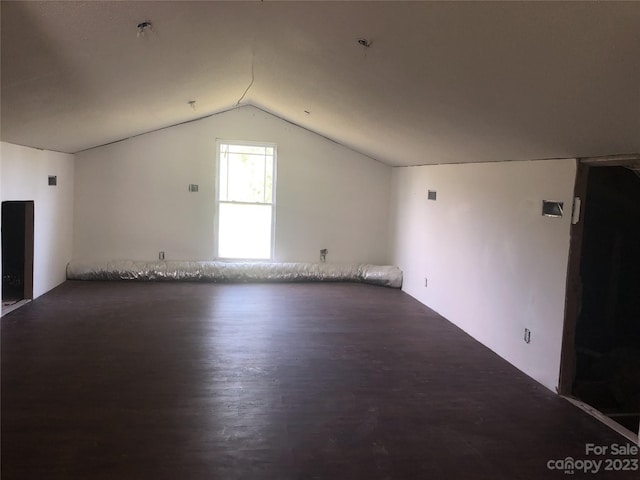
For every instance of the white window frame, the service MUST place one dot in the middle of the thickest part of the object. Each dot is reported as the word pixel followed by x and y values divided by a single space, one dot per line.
pixel 220 142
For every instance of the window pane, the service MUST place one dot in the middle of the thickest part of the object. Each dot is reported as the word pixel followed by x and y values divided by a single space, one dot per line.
pixel 244 231
pixel 245 178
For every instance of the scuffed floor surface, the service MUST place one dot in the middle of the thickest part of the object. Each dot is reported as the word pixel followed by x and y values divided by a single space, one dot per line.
pixel 291 381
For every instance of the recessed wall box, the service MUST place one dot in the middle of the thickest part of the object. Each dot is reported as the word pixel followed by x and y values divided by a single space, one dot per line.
pixel 552 209
pixel 431 194
pixel 193 187
pixel 53 180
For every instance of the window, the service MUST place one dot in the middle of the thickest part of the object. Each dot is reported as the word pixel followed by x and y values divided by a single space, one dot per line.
pixel 246 200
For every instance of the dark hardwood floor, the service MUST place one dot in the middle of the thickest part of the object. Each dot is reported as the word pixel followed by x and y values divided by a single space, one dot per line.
pixel 282 381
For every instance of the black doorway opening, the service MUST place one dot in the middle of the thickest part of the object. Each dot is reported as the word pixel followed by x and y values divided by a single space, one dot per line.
pixel 607 335
pixel 17 251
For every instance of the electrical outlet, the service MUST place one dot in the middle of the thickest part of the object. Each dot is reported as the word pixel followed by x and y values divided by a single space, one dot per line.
pixel 161 256
pixel 527 335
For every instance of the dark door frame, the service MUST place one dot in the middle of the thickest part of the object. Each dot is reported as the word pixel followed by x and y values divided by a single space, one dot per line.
pixel 29 245
pixel 574 285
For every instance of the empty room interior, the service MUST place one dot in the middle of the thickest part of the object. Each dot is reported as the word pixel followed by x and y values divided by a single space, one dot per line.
pixel 320 240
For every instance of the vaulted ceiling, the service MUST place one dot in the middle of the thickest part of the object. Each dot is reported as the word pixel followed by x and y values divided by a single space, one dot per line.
pixel 439 83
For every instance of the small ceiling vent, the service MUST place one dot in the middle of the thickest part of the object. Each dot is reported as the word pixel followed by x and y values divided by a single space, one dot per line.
pixel 143 27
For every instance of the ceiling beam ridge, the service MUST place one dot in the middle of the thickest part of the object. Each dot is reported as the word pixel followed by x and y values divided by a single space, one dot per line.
pixel 209 115
pixel 489 161
pixel 332 140
pixel 235 107
pixel 36 148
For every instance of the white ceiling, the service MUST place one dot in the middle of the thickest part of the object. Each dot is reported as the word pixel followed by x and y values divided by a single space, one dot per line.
pixel 441 82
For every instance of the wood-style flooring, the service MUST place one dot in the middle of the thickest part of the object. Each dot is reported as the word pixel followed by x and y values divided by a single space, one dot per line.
pixel 127 380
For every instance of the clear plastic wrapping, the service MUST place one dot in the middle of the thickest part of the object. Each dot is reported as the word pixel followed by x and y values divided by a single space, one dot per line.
pixel 384 275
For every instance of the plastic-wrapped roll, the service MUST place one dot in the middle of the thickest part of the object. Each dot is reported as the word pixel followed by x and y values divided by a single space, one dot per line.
pixel 229 272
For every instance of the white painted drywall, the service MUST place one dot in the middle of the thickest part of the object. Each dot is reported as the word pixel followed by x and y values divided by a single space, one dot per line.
pixel 494 264
pixel 25 173
pixel 132 198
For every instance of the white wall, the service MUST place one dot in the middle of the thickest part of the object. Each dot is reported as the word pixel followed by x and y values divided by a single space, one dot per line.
pixel 132 199
pixel 24 176
pixel 494 264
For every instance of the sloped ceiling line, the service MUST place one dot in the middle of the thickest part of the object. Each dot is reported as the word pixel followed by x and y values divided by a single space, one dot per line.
pixel 442 82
